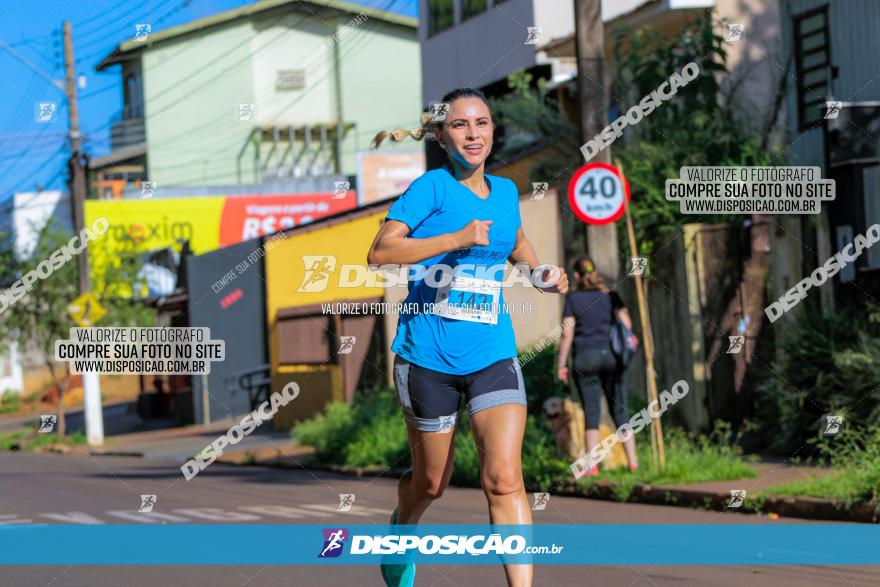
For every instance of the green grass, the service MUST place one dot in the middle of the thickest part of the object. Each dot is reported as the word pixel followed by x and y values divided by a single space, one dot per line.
pixel 30 441
pixel 10 402
pixel 690 458
pixel 842 486
pixel 855 454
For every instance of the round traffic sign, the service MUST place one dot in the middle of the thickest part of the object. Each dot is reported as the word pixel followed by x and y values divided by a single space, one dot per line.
pixel 596 193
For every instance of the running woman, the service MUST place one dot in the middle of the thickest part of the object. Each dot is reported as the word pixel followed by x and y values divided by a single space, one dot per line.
pixel 458 215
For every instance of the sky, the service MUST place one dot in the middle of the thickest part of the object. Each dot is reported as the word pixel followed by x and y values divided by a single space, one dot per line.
pixel 34 154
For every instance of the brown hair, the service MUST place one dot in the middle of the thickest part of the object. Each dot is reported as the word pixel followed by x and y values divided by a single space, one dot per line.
pixel 588 278
pixel 399 134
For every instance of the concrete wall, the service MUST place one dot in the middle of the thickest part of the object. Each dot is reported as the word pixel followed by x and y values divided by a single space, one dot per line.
pixel 490 46
pixel 541 224
pixel 297 42
pixel 192 85
pixel 381 74
pixel 481 50
pixel 756 62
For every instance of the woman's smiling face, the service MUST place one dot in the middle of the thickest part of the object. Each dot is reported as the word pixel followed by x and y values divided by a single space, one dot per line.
pixel 467 132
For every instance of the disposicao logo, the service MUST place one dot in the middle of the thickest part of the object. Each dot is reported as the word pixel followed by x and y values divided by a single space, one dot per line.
pixel 334 542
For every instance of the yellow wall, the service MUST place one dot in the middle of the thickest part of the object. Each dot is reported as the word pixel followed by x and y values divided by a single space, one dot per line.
pixel 348 241
pixel 157 224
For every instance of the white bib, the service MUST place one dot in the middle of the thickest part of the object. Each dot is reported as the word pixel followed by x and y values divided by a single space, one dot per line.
pixel 469 298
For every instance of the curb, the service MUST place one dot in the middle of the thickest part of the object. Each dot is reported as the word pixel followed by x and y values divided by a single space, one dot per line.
pixel 116 453
pixel 787 506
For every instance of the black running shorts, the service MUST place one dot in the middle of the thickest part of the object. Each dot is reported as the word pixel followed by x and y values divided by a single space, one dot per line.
pixel 431 399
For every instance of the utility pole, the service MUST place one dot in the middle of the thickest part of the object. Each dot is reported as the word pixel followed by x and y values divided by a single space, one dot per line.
pixel 593 104
pixel 77 173
pixel 590 47
pixel 91 381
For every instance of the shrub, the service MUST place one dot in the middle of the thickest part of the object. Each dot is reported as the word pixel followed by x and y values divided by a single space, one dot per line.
pixel 831 365
pixel 329 432
pixel 367 432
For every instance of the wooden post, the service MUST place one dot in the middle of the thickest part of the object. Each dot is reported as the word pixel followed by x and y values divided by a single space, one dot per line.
pixel 657 449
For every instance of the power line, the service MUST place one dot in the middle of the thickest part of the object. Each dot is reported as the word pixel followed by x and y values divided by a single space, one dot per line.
pixel 25 106
pixel 175 9
pixel 349 50
pixel 111 22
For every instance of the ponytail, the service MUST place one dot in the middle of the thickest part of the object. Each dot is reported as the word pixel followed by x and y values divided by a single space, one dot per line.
pixel 399 134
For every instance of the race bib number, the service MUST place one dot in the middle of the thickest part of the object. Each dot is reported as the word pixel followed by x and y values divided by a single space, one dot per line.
pixel 469 298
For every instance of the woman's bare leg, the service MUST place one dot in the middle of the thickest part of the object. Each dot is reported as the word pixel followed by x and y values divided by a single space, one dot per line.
pixel 629 446
pixel 432 455
pixel 498 432
pixel 591 437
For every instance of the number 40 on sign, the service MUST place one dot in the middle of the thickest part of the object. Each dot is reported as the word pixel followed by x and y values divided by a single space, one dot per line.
pixel 597 193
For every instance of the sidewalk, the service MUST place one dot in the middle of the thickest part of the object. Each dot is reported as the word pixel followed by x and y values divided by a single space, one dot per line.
pixel 180 444
pixel 267 447
pixel 716 494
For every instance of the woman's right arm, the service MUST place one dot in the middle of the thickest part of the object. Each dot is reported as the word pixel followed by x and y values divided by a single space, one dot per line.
pixel 565 341
pixel 392 247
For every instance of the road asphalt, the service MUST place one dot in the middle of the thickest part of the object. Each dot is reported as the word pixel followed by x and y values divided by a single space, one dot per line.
pixel 101 489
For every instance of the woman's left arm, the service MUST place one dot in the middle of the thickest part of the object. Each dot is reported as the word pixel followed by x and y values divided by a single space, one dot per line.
pixel 524 252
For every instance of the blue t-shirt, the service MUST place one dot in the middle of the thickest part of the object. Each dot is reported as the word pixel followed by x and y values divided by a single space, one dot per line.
pixel 436 204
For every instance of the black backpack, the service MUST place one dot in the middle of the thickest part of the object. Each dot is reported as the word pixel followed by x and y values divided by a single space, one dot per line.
pixel 619 335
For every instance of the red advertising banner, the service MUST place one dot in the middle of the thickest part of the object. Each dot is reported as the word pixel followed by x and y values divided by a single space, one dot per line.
pixel 247 217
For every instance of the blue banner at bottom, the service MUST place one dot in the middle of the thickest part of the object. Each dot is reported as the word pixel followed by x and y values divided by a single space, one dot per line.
pixel 553 544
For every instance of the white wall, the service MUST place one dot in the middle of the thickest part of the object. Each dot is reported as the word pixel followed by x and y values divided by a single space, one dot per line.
pixel 11 378
pixel 293 42
pixel 31 212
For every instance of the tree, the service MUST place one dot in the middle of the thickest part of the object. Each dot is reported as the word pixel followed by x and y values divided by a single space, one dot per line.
pixel 40 318
pixel 697 127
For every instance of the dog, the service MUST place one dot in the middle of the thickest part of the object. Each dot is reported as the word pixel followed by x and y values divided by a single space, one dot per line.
pixel 566 419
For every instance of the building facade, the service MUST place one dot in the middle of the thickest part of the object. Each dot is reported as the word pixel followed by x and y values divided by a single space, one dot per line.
pixel 831 50
pixel 275 89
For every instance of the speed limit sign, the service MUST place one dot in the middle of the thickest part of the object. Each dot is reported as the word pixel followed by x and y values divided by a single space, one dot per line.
pixel 596 193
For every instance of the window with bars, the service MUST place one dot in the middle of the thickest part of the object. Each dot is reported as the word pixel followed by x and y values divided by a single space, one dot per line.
pixel 441 15
pixel 813 63
pixel 871 194
pixel 471 8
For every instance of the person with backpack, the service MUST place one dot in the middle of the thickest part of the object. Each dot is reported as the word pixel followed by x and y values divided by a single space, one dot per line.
pixel 597 324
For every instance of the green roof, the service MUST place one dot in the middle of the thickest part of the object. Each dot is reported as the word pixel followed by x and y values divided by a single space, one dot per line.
pixel 132 46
